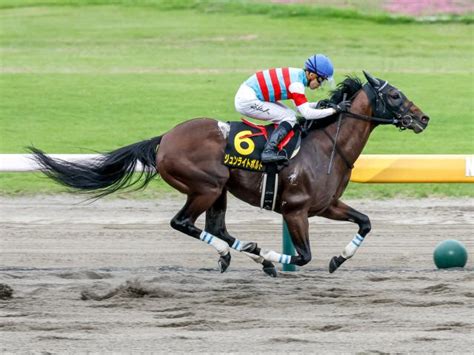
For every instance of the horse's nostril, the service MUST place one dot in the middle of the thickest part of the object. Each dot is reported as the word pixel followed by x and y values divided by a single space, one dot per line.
pixel 425 119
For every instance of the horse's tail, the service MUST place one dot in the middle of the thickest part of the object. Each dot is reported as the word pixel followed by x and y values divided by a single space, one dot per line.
pixel 106 174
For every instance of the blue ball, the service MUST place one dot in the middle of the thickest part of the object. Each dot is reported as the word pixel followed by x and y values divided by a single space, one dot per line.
pixel 450 253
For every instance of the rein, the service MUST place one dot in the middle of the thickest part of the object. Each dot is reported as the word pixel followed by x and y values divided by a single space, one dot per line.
pixel 360 117
pixel 335 139
pixel 379 109
pixel 374 100
pixel 381 120
pixel 338 150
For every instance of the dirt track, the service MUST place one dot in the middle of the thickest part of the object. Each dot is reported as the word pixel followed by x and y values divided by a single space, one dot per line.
pixel 163 293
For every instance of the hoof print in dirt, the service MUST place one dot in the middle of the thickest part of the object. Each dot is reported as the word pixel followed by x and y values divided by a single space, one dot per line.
pixel 6 292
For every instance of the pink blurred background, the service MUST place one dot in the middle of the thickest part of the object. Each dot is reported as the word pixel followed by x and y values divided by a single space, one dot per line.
pixel 402 7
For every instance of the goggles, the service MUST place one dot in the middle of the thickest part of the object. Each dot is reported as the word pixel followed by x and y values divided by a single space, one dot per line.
pixel 320 79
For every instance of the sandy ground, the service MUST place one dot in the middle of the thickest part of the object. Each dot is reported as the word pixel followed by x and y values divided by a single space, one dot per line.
pixel 163 292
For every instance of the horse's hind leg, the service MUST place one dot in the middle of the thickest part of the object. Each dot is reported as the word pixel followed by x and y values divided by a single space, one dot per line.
pixel 341 212
pixel 186 217
pixel 297 222
pixel 215 224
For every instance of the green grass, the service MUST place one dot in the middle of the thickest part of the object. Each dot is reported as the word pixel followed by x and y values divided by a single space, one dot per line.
pixel 369 10
pixel 79 79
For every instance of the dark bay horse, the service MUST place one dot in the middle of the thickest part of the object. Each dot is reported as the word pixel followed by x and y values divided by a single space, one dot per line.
pixel 190 158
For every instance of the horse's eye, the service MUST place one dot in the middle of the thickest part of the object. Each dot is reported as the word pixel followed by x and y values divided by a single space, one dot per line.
pixel 395 96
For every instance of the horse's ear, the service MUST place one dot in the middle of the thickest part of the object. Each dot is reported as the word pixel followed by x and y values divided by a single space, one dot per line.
pixel 372 81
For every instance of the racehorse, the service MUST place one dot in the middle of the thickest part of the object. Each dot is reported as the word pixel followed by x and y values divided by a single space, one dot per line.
pixel 189 157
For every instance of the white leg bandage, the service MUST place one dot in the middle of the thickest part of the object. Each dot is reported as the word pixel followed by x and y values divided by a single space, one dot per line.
pixel 221 246
pixel 237 245
pixel 269 255
pixel 352 247
pixel 275 257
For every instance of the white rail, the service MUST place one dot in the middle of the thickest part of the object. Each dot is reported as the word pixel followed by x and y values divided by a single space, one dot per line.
pixel 24 162
pixel 369 168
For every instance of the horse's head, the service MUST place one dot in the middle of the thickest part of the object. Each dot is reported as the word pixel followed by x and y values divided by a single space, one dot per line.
pixel 390 103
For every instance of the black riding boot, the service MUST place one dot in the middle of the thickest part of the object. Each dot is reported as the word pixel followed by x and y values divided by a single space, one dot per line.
pixel 270 152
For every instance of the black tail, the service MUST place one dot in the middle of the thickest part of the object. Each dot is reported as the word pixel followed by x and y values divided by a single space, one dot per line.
pixel 108 173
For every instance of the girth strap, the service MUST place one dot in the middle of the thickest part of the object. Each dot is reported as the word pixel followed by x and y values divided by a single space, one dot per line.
pixel 269 187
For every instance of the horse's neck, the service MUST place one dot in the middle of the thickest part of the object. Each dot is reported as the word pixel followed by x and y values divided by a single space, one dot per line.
pixel 354 133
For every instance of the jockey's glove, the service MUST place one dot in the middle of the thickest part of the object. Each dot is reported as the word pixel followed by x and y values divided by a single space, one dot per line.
pixel 325 103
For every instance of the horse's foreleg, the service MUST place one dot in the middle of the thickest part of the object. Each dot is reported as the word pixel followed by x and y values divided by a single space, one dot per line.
pixel 215 224
pixel 298 227
pixel 186 217
pixel 341 212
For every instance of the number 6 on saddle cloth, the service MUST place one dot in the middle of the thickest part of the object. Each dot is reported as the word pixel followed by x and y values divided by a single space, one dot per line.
pixel 244 148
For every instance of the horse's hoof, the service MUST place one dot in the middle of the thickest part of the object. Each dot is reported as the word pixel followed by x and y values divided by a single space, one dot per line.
pixel 224 262
pixel 335 262
pixel 270 270
pixel 249 247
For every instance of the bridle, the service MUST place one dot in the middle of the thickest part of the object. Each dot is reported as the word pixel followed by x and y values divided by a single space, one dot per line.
pixel 383 113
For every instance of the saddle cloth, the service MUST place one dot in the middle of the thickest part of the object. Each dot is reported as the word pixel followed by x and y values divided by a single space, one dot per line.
pixel 246 141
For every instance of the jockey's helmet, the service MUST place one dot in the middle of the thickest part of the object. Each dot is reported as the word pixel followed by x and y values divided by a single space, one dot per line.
pixel 321 65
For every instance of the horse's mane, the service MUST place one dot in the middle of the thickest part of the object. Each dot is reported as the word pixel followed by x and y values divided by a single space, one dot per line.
pixel 349 86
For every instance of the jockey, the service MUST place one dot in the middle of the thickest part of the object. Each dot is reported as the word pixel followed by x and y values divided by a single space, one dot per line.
pixel 258 97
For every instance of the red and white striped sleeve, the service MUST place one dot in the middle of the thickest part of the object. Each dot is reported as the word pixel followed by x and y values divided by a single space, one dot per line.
pixel 296 91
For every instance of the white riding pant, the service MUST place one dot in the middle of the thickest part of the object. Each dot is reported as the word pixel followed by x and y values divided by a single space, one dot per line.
pixel 247 103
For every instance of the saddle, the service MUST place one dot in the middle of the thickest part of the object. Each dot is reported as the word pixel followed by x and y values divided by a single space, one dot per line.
pixel 246 141
pixel 244 148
